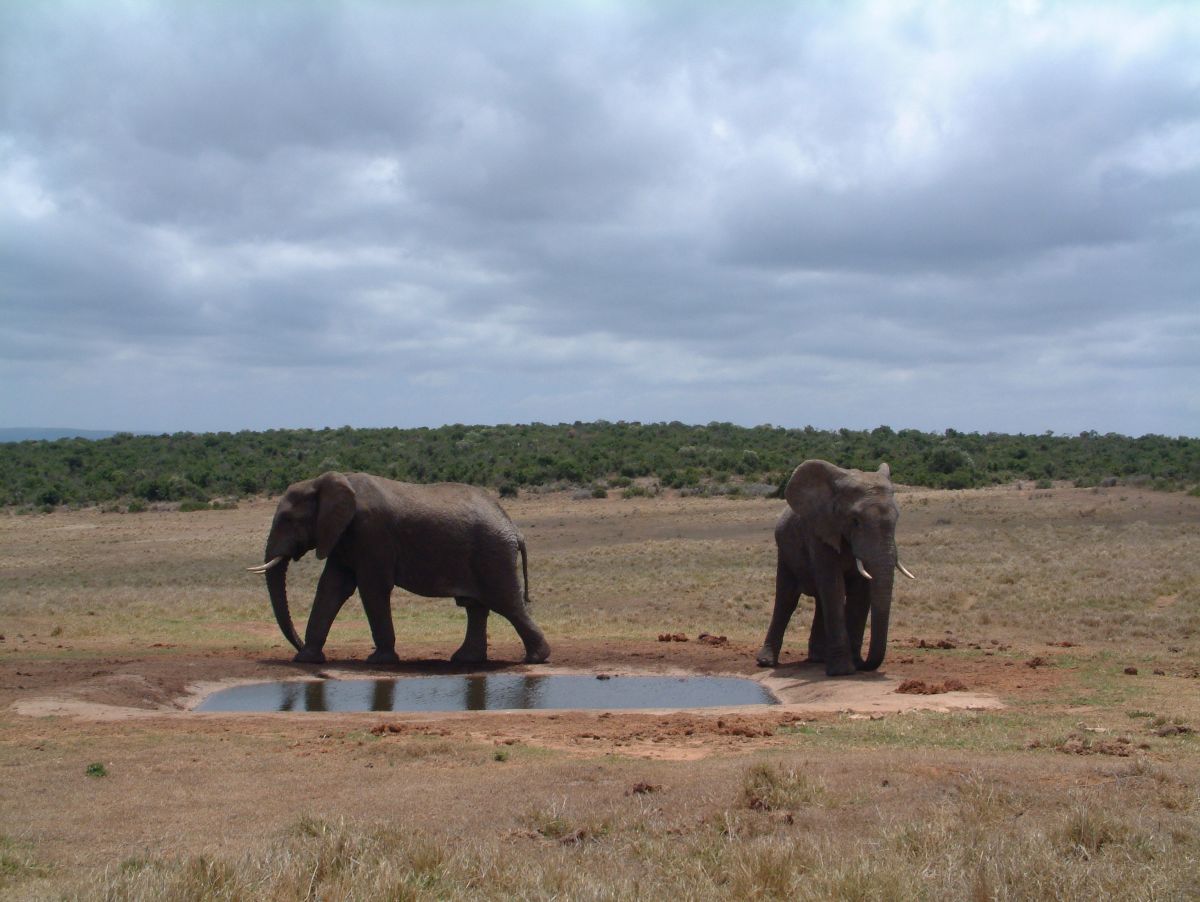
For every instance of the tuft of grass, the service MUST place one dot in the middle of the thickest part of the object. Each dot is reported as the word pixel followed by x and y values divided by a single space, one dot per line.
pixel 17 862
pixel 774 787
pixel 553 822
pixel 1086 829
pixel 96 769
pixel 549 821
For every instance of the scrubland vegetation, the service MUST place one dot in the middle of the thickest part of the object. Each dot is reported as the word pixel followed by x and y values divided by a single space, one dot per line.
pixel 718 458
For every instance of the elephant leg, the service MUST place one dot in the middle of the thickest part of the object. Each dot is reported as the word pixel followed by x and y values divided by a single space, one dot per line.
pixel 336 584
pixel 816 636
pixel 474 647
pixel 509 603
pixel 858 604
pixel 500 591
pixel 831 597
pixel 376 594
pixel 787 596
pixel 537 649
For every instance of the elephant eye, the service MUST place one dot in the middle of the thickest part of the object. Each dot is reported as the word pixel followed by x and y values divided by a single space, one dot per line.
pixel 854 522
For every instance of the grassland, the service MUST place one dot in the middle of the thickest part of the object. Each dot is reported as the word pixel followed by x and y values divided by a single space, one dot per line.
pixel 1085 784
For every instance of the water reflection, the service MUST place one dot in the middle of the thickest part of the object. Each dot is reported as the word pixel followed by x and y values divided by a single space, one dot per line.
pixel 489 692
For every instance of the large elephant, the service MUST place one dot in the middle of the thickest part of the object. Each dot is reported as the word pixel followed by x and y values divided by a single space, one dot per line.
pixel 837 543
pixel 435 540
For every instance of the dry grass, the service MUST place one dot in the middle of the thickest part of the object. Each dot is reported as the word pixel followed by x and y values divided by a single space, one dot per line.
pixel 1085 566
pixel 1086 786
pixel 976 839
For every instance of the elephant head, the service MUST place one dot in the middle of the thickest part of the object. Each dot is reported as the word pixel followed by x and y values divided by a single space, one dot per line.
pixel 853 515
pixel 311 514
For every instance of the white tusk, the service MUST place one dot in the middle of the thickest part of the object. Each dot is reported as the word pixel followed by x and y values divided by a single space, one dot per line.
pixel 862 569
pixel 904 570
pixel 263 568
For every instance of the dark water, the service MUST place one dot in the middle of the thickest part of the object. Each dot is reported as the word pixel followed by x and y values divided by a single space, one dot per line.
pixel 489 692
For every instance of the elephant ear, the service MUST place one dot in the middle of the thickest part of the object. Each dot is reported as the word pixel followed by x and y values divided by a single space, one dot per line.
pixel 336 506
pixel 811 493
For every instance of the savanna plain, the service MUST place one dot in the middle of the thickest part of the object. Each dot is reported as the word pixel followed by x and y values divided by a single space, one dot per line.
pixel 1030 735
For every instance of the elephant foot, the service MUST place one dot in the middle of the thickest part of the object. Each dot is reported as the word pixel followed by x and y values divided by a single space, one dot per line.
pixel 538 654
pixel 308 655
pixel 839 667
pixel 467 655
pixel 383 656
pixel 767 657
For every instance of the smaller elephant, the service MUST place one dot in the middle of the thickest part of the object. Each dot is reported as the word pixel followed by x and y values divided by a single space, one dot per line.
pixel 441 540
pixel 837 543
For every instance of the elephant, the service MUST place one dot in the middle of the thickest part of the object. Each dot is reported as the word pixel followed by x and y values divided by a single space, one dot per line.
pixel 837 543
pixel 439 540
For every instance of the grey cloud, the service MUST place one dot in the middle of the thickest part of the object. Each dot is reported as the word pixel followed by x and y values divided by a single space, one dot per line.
pixel 674 212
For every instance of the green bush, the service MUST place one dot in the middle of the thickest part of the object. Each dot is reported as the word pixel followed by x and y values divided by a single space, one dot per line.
pixel 188 467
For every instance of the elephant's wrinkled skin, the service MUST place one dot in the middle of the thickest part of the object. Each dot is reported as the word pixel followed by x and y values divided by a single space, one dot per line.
pixel 835 519
pixel 435 540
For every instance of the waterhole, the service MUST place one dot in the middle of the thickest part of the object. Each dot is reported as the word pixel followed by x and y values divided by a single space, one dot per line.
pixel 489 692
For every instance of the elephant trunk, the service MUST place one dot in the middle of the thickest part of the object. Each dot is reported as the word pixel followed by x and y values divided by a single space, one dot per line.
pixel 881 607
pixel 277 587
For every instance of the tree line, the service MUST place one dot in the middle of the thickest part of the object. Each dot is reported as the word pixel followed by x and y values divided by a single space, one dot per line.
pixel 718 457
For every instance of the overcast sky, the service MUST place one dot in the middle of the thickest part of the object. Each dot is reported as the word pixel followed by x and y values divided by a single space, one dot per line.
pixel 220 215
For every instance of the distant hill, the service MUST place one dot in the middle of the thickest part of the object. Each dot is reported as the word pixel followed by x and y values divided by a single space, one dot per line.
pixel 28 433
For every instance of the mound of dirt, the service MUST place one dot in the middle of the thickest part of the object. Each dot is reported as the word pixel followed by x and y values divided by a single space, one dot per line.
pixel 920 687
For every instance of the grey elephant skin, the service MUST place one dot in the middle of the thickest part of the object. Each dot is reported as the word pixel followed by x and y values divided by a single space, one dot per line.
pixel 441 540
pixel 837 543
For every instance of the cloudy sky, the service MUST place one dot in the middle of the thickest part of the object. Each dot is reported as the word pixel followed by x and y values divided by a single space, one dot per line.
pixel 219 215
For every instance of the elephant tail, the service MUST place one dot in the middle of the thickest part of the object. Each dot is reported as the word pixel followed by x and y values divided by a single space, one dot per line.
pixel 524 570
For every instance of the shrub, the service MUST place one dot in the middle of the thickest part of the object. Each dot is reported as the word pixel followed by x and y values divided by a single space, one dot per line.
pixel 185 466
